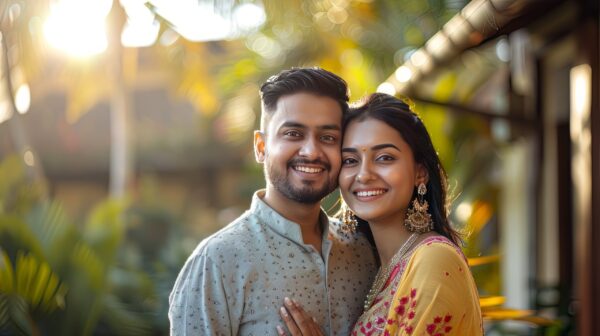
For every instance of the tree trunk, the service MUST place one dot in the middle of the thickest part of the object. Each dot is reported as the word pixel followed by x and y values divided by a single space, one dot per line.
pixel 30 159
pixel 121 166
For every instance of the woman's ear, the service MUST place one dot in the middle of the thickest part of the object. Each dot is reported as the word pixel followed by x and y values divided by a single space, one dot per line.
pixel 422 175
pixel 259 146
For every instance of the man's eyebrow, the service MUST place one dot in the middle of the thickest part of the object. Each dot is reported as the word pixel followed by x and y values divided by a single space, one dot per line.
pixel 376 147
pixel 333 127
pixel 293 124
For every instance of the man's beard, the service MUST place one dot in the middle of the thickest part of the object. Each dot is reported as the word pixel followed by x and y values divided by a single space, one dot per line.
pixel 307 194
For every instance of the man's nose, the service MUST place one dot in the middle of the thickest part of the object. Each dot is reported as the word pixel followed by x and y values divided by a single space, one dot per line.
pixel 310 149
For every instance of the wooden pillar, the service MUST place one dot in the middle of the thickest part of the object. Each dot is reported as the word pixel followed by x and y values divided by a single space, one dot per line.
pixel 587 218
pixel 594 252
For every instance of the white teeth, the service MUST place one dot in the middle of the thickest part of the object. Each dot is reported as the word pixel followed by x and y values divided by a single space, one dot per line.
pixel 308 169
pixel 369 193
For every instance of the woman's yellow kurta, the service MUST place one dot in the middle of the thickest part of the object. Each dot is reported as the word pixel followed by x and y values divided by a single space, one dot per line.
pixel 429 292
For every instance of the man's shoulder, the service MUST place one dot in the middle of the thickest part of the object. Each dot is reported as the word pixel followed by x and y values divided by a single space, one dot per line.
pixel 231 238
pixel 339 233
pixel 354 245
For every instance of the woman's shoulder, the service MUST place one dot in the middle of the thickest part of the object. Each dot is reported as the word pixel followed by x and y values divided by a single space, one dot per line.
pixel 437 249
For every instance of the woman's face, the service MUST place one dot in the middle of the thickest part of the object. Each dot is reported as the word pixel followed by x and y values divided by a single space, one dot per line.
pixel 378 172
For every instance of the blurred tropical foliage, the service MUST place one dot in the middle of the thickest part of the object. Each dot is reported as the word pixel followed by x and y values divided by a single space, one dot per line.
pixel 107 275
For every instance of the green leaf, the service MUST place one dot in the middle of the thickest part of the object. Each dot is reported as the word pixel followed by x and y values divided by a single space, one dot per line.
pixel 105 228
pixel 7 275
pixel 14 315
pixel 90 268
pixel 122 320
pixel 34 281
pixel 16 235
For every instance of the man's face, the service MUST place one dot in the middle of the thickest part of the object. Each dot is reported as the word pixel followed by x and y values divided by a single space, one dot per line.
pixel 300 147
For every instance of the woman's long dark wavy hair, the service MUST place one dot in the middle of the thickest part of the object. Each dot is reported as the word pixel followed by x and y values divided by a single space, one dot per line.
pixel 398 115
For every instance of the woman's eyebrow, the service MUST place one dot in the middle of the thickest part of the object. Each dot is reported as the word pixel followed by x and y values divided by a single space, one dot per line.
pixel 376 147
pixel 386 145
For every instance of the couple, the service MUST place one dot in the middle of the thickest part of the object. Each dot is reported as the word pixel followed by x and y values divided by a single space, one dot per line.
pixel 390 266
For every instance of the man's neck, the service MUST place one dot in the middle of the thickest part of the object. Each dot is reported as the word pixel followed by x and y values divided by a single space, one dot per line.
pixel 305 215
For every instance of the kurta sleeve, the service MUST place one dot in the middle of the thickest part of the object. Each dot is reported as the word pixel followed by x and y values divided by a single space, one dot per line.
pixel 198 303
pixel 436 296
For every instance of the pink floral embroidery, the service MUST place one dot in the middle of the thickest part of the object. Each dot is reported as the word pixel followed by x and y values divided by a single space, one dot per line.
pixel 400 310
pixel 375 321
pixel 440 326
pixel 406 311
pixel 368 329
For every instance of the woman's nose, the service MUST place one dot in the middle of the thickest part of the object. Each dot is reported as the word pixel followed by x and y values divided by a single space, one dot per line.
pixel 365 174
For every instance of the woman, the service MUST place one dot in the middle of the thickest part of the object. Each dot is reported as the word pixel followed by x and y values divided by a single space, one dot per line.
pixel 394 184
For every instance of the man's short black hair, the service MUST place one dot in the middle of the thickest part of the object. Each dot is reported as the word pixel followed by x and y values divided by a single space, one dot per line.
pixel 295 80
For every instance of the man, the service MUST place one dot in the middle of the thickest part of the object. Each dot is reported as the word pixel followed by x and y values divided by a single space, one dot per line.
pixel 235 282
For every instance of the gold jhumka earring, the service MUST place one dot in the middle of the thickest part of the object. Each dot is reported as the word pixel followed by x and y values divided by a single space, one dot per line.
pixel 349 222
pixel 418 219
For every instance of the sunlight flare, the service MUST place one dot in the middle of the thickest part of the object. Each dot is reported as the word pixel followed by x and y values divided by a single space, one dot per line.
pixel 78 27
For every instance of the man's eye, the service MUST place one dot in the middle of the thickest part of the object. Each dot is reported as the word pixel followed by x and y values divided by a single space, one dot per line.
pixel 329 138
pixel 292 134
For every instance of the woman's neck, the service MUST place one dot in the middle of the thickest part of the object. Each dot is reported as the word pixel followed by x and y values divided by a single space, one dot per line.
pixel 389 237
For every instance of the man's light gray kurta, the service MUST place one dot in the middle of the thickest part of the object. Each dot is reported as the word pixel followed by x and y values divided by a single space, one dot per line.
pixel 235 281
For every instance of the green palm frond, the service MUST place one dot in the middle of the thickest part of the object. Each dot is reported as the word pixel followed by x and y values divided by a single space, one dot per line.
pixel 48 222
pixel 16 194
pixel 88 283
pixel 105 228
pixel 7 275
pixel 53 233
pixel 16 235
pixel 34 281
pixel 122 320
pixel 90 267
pixel 14 315
pixel 27 287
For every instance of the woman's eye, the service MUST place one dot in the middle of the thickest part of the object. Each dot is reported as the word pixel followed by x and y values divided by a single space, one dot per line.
pixel 348 161
pixel 385 158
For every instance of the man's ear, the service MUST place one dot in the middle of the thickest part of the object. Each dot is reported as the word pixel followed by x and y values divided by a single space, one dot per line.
pixel 422 175
pixel 259 146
